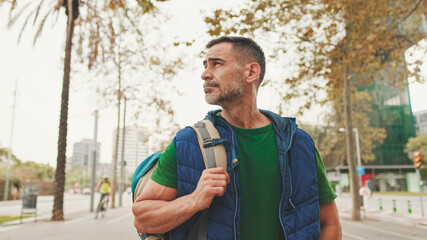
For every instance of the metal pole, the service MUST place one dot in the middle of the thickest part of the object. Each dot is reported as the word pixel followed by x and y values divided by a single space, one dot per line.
pixel 359 162
pixel 420 187
pixel 9 152
pixel 95 144
pixel 122 162
pixel 356 131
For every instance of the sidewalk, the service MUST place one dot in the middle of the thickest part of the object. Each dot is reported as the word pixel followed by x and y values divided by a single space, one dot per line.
pixel 79 222
pixel 73 203
pixel 397 213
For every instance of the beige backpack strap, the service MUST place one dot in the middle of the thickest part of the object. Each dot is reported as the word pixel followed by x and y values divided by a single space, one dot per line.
pixel 214 155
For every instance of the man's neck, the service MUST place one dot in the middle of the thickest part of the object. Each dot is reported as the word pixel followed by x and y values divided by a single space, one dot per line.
pixel 244 116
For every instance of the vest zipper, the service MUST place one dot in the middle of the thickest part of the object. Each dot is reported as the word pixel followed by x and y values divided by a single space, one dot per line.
pixel 233 168
pixel 290 196
pixel 237 202
pixel 280 207
pixel 283 182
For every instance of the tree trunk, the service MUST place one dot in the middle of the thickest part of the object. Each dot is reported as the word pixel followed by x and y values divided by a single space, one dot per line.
pixel 354 184
pixel 58 203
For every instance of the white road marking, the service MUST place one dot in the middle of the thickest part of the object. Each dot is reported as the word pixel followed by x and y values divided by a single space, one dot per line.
pixel 120 218
pixel 79 219
pixel 352 236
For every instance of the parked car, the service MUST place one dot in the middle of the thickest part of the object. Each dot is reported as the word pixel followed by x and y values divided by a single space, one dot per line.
pixel 86 191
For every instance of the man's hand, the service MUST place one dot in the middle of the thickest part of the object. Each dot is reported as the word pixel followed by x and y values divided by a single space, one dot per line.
pixel 158 209
pixel 212 183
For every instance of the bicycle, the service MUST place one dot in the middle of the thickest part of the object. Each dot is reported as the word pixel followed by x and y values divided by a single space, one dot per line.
pixel 102 206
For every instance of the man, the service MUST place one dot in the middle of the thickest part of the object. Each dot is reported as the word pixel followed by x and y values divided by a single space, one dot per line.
pixel 274 186
pixel 104 188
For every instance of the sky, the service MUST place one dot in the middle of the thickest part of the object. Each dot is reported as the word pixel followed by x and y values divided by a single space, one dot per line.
pixel 38 72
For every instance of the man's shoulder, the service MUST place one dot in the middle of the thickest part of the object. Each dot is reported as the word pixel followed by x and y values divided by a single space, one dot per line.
pixel 188 132
pixel 185 133
pixel 301 134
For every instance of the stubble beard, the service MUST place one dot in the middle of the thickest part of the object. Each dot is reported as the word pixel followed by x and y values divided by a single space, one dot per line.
pixel 234 92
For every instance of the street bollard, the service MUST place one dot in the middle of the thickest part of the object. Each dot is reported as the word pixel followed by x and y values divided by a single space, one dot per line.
pixel 381 205
pixel 409 206
pixel 394 205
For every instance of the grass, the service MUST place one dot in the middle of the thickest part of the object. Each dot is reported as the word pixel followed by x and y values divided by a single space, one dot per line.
pixel 12 218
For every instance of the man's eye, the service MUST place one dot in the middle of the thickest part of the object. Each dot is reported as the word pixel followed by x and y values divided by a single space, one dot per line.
pixel 216 63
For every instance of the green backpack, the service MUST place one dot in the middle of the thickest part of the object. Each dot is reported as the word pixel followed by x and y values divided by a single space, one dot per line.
pixel 214 155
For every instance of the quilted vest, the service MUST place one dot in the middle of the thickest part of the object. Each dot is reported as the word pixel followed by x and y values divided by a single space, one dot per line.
pixel 299 207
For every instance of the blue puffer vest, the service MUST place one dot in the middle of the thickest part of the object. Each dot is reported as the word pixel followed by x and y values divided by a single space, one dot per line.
pixel 299 207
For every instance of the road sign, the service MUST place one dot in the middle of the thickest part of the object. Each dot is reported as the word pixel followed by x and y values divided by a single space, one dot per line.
pixel 365 192
pixel 360 170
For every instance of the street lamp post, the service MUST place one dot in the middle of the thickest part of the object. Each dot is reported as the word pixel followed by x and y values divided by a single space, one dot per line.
pixel 9 152
pixel 359 162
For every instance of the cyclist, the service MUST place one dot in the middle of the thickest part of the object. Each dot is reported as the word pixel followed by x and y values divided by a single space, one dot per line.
pixel 104 187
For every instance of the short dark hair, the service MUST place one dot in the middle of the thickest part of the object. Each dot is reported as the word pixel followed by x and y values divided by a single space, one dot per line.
pixel 248 49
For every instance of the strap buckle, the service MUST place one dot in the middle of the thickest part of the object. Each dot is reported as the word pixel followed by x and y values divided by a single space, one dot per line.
pixel 207 143
pixel 199 124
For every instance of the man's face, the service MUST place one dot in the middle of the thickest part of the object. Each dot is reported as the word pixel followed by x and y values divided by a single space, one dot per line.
pixel 223 75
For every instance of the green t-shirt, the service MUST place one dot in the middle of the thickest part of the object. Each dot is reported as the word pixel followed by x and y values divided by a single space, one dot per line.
pixel 259 179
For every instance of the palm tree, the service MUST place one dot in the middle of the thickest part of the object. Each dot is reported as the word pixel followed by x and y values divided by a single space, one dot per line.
pixel 72 11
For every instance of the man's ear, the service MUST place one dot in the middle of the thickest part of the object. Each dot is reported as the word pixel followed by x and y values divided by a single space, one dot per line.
pixel 253 71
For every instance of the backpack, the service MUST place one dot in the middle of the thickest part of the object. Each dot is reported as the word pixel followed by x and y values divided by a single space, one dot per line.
pixel 214 155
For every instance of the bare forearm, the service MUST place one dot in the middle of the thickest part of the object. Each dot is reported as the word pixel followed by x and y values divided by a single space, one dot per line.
pixel 330 226
pixel 157 216
pixel 332 232
pixel 158 209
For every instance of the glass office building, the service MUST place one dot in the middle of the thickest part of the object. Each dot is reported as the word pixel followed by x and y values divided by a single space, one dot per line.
pixel 391 110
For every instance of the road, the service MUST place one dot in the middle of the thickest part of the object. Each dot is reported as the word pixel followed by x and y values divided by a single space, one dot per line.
pixel 118 223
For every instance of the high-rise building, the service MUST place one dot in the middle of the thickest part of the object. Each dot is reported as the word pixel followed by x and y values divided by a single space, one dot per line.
pixel 391 110
pixel 83 153
pixel 135 148
pixel 420 118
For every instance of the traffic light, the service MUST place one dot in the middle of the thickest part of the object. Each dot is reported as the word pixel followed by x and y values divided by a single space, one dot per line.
pixel 418 159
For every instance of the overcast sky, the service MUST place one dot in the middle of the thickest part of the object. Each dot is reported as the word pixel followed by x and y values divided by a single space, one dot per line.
pixel 39 73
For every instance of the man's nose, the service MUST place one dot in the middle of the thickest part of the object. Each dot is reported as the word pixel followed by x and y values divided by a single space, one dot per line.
pixel 206 75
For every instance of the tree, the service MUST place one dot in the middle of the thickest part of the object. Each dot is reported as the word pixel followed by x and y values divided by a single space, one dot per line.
pixel 333 149
pixel 24 170
pixel 123 64
pixel 338 44
pixel 4 153
pixel 75 175
pixel 418 143
pixel 39 171
pixel 72 10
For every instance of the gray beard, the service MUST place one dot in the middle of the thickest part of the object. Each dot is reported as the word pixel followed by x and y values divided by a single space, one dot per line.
pixel 231 94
